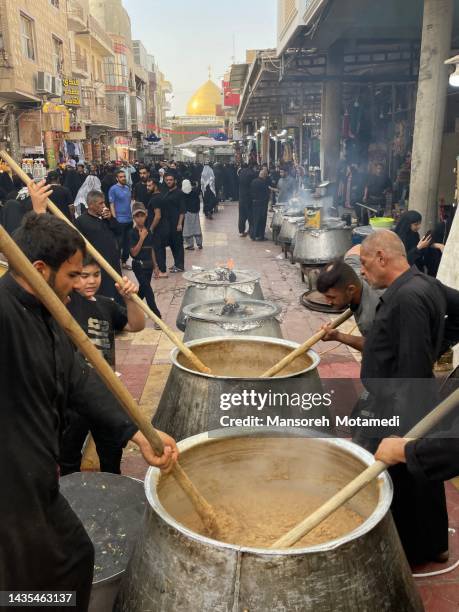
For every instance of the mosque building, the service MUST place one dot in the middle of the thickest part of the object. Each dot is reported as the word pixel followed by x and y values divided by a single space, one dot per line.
pixel 204 115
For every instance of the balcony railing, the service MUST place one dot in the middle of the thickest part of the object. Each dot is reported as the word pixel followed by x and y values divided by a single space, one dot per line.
pixel 97 31
pixel 99 114
pixel 75 15
pixel 79 64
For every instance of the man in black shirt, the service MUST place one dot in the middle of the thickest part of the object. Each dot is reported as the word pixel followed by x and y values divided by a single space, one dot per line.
pixel 377 188
pixel 260 193
pixel 409 332
pixel 157 224
pixel 60 196
pixel 174 210
pixel 246 176
pixel 44 546
pixel 99 227
pixel 139 190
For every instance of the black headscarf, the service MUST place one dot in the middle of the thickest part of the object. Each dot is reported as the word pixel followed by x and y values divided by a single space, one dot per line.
pixel 403 229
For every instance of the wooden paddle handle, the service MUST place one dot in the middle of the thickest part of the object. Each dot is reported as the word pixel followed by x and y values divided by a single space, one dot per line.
pixel 305 346
pixel 112 272
pixel 366 477
pixel 18 261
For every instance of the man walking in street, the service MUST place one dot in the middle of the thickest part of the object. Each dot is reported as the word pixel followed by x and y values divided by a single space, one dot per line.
pixel 260 192
pixel 119 197
pixel 140 191
pixel 246 176
pixel 174 209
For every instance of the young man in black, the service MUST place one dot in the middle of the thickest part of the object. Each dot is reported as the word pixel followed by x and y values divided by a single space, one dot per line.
pixel 157 223
pixel 61 196
pixel 174 209
pixel 44 546
pixel 143 256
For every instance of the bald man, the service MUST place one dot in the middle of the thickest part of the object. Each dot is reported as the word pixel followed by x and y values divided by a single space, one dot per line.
pixel 417 317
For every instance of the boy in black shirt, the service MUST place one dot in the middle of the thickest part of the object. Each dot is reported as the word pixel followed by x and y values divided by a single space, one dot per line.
pixel 100 317
pixel 143 256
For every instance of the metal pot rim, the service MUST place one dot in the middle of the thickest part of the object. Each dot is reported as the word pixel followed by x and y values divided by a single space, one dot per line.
pixel 251 277
pixel 265 339
pixel 214 318
pixel 382 508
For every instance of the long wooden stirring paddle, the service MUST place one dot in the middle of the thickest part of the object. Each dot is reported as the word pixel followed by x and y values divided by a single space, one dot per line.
pixel 18 261
pixel 112 272
pixel 367 476
pixel 283 363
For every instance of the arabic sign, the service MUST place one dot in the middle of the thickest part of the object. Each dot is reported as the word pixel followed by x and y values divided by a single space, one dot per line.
pixel 71 92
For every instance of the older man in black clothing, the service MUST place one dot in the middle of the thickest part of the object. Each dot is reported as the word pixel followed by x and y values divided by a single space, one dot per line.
pixel 260 192
pixel 415 319
pixel 99 227
pixel 44 546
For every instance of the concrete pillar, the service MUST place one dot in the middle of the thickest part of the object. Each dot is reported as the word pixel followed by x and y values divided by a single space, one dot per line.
pixel 13 133
pixel 331 114
pixel 430 108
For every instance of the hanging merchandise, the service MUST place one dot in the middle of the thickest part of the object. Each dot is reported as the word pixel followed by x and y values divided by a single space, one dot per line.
pixel 346 125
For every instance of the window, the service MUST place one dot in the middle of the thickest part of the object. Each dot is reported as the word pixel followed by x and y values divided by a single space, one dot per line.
pixel 27 37
pixel 58 55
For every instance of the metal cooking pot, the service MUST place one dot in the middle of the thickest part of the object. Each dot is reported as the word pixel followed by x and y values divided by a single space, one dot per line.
pixel 111 509
pixel 251 318
pixel 321 246
pixel 190 401
pixel 204 286
pixel 288 229
pixel 176 569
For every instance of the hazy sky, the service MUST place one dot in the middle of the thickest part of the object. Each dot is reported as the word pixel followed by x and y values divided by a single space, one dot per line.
pixel 186 36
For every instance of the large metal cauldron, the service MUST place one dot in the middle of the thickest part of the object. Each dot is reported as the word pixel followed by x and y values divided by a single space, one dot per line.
pixel 175 569
pixel 205 286
pixel 190 403
pixel 111 509
pixel 248 318
pixel 288 229
pixel 315 246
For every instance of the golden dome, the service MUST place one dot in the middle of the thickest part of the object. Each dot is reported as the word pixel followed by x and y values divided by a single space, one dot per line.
pixel 205 100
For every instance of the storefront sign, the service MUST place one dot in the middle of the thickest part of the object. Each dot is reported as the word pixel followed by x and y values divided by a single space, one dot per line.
pixel 122 141
pixel 71 92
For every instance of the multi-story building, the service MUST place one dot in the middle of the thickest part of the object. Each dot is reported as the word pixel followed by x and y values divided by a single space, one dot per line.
pixel 34 58
pixel 90 47
pixel 120 82
pixel 139 101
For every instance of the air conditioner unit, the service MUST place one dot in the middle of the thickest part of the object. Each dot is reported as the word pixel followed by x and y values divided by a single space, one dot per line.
pixel 57 87
pixel 44 82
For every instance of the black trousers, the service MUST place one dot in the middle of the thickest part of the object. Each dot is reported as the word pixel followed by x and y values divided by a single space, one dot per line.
pixel 176 245
pixel 144 276
pixel 420 515
pixel 159 245
pixel 110 453
pixel 260 216
pixel 123 240
pixel 245 205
